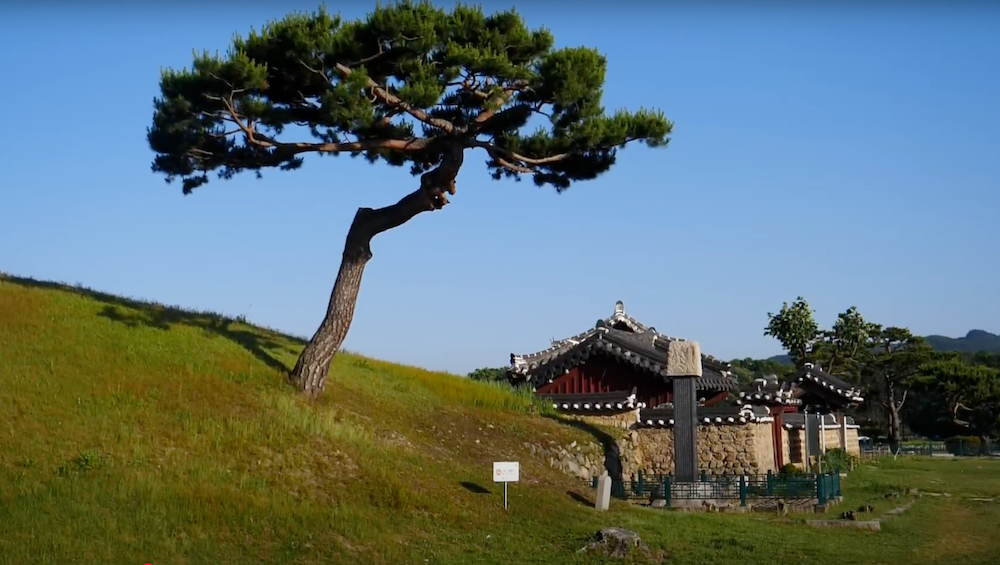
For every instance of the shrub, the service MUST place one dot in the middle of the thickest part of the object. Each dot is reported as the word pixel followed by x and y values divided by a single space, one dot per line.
pixel 962 445
pixel 791 469
pixel 838 460
pixel 489 374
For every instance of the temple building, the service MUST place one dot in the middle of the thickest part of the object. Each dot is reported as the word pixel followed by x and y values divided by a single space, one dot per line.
pixel 614 375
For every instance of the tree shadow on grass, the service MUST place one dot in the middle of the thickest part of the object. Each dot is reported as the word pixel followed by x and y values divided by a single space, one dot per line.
pixel 266 345
pixel 612 453
pixel 580 498
pixel 473 487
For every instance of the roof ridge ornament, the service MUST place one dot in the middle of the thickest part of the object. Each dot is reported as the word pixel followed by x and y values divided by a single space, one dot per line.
pixel 619 308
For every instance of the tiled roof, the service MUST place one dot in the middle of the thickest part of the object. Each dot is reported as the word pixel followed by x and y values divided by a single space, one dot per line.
pixel 624 338
pixel 664 417
pixel 768 392
pixel 796 420
pixel 594 402
pixel 831 383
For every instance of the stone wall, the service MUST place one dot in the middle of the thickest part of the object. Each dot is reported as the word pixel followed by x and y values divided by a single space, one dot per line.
pixel 762 435
pixel 623 420
pixel 722 449
pixel 795 442
pixel 786 454
pixel 580 460
pixel 853 442
pixel 794 445
pixel 832 438
pixel 622 453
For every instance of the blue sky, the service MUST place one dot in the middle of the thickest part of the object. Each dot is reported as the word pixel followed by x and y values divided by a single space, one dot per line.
pixel 846 154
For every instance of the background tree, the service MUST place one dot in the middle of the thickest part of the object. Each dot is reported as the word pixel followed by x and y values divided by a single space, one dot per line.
pixel 796 329
pixel 888 368
pixel 971 395
pixel 490 374
pixel 986 358
pixel 748 369
pixel 412 84
pixel 841 348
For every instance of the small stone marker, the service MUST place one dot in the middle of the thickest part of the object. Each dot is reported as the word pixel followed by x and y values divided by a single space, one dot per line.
pixel 603 493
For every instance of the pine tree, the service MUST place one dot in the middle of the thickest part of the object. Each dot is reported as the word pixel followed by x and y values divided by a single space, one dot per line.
pixel 410 85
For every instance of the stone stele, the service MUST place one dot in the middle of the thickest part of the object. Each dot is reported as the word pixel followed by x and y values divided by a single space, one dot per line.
pixel 603 493
pixel 683 359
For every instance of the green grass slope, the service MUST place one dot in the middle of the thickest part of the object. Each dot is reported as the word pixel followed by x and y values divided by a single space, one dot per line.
pixel 136 433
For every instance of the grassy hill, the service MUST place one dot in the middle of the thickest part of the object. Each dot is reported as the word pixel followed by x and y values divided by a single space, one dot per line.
pixel 135 433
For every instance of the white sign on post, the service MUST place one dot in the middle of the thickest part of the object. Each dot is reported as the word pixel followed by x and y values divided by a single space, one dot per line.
pixel 506 472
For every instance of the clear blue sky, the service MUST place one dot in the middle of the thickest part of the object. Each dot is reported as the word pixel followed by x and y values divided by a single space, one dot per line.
pixel 850 155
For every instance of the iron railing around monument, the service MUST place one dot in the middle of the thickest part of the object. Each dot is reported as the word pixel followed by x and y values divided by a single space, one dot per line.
pixel 647 487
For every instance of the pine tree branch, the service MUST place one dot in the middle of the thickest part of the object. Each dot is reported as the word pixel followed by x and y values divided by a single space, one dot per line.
pixel 393 100
pixel 500 154
pixel 482 118
pixel 254 137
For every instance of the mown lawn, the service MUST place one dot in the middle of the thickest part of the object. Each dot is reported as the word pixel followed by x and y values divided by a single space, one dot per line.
pixel 135 433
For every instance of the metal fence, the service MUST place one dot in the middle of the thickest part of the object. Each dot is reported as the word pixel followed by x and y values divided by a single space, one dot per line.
pixel 958 448
pixel 821 487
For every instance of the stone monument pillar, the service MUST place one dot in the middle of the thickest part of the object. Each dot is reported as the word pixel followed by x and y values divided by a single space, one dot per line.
pixel 683 367
pixel 603 501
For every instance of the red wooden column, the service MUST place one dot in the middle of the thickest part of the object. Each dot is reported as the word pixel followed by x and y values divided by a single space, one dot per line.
pixel 779 429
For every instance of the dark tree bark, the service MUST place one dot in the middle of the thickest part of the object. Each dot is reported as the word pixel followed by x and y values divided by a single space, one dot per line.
pixel 895 420
pixel 313 366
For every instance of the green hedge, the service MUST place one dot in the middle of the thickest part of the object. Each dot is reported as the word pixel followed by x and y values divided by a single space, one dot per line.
pixel 962 445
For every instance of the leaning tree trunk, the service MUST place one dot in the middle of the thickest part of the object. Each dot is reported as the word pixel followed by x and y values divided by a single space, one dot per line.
pixel 313 366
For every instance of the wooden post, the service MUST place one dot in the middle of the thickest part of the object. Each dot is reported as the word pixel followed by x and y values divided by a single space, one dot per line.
pixel 843 430
pixel 804 451
pixel 684 366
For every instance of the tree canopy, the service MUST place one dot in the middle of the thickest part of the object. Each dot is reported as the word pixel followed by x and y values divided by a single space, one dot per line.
pixel 884 361
pixel 392 88
pixel 796 329
pixel 970 393
pixel 490 374
pixel 411 84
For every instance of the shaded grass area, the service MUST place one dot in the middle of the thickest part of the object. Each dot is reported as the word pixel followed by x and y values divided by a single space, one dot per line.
pixel 132 432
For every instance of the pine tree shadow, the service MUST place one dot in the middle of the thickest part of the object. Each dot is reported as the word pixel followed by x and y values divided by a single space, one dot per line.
pixel 474 487
pixel 266 345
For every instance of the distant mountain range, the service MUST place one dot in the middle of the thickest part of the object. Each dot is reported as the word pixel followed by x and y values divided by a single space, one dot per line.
pixel 973 342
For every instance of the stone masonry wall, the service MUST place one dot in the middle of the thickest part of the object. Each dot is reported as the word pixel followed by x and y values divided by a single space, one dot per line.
pixel 794 445
pixel 786 452
pixel 580 460
pixel 623 420
pixel 725 449
pixel 795 440
pixel 853 442
pixel 832 438
pixel 722 449
pixel 763 442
